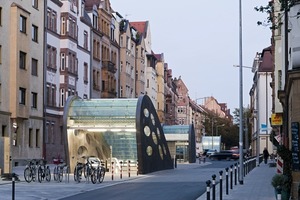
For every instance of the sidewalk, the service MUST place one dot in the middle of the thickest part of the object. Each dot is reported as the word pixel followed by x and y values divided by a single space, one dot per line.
pixel 257 185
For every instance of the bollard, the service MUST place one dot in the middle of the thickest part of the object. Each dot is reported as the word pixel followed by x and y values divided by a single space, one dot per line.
pixel 221 184
pixel 235 174
pixel 226 180
pixel 278 193
pixel 121 169
pixel 128 168
pixel 208 190
pixel 137 167
pixel 231 177
pixel 213 186
pixel 199 159
pixel 112 171
pixel 13 186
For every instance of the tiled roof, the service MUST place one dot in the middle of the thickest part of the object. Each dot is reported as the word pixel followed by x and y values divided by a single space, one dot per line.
pixel 89 4
pixel 267 60
pixel 139 26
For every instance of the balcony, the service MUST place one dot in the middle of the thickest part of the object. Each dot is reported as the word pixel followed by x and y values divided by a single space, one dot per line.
pixel 110 66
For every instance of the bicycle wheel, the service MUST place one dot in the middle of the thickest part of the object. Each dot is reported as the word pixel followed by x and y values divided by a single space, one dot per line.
pixel 27 175
pixel 60 174
pixel 55 173
pixel 75 174
pixel 48 174
pixel 40 174
pixel 101 175
pixel 93 174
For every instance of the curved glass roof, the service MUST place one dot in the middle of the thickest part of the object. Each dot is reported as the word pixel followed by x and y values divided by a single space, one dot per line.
pixel 102 113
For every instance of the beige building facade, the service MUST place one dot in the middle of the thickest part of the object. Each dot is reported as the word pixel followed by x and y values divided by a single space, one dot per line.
pixel 21 63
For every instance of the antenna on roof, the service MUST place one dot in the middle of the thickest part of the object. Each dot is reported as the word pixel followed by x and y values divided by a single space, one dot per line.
pixel 127 15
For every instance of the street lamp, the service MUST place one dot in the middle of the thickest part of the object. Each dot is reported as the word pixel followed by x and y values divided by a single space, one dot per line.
pixel 241 169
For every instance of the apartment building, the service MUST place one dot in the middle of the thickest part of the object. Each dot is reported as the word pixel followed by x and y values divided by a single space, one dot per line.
pixel 183 107
pixel 67 67
pixel 21 82
pixel 128 40
pixel 160 68
pixel 261 100
pixel 171 97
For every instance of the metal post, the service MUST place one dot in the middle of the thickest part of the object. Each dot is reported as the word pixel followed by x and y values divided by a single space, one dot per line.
pixel 13 186
pixel 241 95
pixel 137 167
pixel 221 184
pixel 128 168
pixel 121 169
pixel 208 190
pixel 231 177
pixel 112 171
pixel 226 180
pixel 235 174
pixel 214 186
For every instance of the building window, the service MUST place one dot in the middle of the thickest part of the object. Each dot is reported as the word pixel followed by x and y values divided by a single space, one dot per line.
pixel 34 100
pixel 34 33
pixel 0 16
pixel 85 76
pixel 63 26
pixel 62 61
pixel 30 139
pixel 22 96
pixel 0 54
pixel 51 95
pixel 22 60
pixel 22 24
pixel 34 67
pixel 37 138
pixel 35 3
pixel 62 97
pixel 85 42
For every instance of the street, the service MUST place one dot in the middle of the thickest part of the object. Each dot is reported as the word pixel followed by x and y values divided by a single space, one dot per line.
pixel 187 181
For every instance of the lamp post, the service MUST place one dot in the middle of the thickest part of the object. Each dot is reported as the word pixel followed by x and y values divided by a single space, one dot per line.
pixel 241 169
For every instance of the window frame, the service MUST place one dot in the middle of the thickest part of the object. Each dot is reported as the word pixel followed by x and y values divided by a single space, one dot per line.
pixel 22 24
pixel 34 33
pixel 22 96
pixel 34 100
pixel 22 60
pixel 34 67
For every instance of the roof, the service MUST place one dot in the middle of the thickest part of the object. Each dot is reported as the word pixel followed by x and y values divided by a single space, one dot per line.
pixel 267 63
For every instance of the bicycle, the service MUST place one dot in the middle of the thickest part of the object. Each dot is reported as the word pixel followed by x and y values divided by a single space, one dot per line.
pixel 43 171
pixel 80 168
pixel 30 171
pixel 97 171
pixel 58 172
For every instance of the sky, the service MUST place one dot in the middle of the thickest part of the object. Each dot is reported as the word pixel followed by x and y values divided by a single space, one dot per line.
pixel 200 42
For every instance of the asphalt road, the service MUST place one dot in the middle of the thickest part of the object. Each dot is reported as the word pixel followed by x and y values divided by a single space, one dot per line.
pixel 187 181
pixel 181 184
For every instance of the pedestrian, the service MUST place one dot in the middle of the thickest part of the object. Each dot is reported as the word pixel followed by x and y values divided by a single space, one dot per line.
pixel 266 155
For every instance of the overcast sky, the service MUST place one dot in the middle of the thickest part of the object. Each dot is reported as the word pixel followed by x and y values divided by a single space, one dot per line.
pixel 200 42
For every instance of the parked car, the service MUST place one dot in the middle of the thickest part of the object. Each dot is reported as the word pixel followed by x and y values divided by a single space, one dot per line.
pixel 224 154
pixel 210 151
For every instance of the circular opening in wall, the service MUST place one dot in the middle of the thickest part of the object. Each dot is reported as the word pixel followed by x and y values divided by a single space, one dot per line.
pixel 158 133
pixel 146 112
pixel 82 151
pixel 147 130
pixel 88 138
pixel 152 119
pixel 160 152
pixel 149 150
pixel 154 138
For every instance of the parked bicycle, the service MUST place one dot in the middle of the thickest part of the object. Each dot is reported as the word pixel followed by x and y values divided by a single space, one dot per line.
pixel 59 171
pixel 43 171
pixel 30 171
pixel 96 169
pixel 80 168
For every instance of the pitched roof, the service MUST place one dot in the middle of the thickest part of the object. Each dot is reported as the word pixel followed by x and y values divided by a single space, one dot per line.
pixel 140 27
